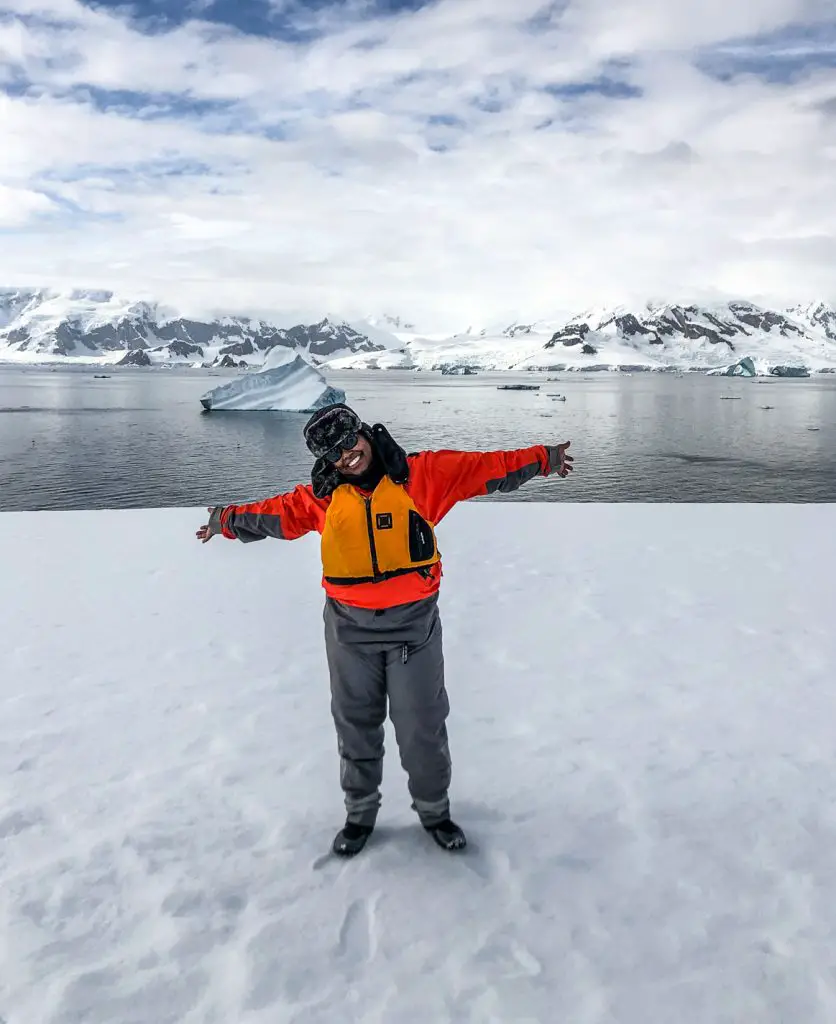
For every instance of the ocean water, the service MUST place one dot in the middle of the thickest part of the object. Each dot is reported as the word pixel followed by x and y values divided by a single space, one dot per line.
pixel 139 438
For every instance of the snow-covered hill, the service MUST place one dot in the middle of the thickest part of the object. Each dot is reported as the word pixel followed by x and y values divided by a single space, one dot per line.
pixel 40 325
pixel 100 327
pixel 653 337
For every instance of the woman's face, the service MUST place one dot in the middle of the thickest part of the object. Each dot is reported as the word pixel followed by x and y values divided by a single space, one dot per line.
pixel 355 461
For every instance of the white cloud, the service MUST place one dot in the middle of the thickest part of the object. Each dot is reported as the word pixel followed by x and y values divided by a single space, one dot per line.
pixel 20 205
pixel 267 174
pixel 645 25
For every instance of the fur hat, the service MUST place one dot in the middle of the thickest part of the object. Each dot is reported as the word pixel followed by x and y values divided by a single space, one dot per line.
pixel 328 427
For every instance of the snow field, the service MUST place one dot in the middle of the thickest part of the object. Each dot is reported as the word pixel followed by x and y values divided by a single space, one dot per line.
pixel 642 736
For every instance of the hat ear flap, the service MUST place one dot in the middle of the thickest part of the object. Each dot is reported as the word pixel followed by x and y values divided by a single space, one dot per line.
pixel 324 478
pixel 391 454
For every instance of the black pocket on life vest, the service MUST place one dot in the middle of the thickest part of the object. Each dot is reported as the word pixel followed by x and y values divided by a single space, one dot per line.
pixel 421 541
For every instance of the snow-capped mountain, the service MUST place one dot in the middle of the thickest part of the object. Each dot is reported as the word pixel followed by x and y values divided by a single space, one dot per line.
pixel 87 326
pixel 817 315
pixel 83 325
pixel 655 336
pixel 698 336
pixel 13 303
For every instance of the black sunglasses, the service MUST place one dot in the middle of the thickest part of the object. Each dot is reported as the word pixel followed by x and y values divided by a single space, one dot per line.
pixel 344 445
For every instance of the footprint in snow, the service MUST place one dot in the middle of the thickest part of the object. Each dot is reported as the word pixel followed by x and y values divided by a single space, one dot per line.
pixel 195 902
pixel 358 935
pixel 508 958
pixel 20 821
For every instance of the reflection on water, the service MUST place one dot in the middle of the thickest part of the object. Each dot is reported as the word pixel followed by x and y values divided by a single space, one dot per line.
pixel 140 438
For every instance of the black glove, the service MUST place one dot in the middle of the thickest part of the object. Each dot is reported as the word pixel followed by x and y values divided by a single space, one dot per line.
pixel 214 527
pixel 559 461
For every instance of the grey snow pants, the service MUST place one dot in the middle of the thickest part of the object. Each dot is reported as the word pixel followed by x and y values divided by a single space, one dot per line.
pixel 393 653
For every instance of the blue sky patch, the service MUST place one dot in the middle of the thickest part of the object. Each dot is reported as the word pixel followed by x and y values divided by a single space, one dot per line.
pixel 8 17
pixel 547 18
pixel 298 21
pixel 604 86
pixel 779 57
pixel 448 120
pixel 489 103
pixel 14 83
pixel 67 208
pixel 124 174
pixel 152 106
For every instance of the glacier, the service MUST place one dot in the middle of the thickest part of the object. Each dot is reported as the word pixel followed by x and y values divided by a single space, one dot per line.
pixel 286 384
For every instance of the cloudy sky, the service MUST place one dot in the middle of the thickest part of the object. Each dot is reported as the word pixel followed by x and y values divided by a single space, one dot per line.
pixel 445 160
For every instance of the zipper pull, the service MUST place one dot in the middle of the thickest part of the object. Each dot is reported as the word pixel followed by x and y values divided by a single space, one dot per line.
pixel 404 654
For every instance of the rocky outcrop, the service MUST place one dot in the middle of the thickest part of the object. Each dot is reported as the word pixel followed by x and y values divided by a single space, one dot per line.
pixel 630 326
pixel 764 319
pixel 138 357
pixel 240 348
pixel 570 335
pixel 327 338
pixel 185 349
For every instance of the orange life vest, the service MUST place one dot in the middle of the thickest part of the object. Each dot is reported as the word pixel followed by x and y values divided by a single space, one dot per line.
pixel 368 539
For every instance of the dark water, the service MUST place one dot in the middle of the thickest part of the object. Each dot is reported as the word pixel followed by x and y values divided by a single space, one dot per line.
pixel 140 438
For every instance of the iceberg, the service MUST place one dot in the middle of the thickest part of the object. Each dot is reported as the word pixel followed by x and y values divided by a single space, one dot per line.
pixel 745 368
pixel 287 383
pixel 458 371
pixel 789 371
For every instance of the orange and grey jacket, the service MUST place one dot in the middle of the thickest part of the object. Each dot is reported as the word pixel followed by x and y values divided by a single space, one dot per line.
pixel 379 550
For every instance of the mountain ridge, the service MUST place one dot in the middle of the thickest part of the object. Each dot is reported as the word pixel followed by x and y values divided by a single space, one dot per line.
pixel 38 325
pixel 98 324
pixel 653 336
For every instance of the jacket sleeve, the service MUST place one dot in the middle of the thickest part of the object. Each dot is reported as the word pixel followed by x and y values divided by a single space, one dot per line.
pixel 439 480
pixel 285 517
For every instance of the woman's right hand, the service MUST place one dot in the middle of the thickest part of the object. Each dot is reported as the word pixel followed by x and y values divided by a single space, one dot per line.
pixel 208 530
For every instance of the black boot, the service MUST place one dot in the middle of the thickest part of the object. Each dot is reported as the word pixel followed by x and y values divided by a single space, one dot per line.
pixel 351 839
pixel 448 835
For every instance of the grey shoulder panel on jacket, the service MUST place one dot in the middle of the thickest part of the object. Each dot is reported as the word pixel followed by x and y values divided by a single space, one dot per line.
pixel 514 480
pixel 250 526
